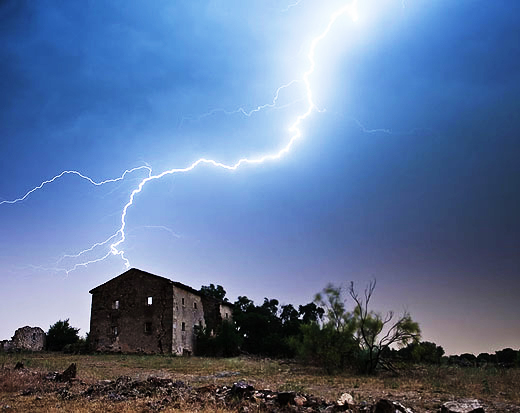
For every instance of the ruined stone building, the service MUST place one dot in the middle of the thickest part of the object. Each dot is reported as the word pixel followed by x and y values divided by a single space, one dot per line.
pixel 25 339
pixel 142 312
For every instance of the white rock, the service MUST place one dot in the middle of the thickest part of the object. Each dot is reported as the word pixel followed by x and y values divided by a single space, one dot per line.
pixel 345 399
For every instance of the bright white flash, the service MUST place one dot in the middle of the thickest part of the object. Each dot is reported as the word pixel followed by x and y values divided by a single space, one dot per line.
pixel 294 129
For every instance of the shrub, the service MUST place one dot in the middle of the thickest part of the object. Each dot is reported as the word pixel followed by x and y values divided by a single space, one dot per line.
pixel 60 334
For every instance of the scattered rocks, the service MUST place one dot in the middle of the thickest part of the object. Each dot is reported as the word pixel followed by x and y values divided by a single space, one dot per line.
pixel 241 396
pixel 160 393
pixel 286 397
pixel 462 406
pixel 68 374
pixel 227 374
pixel 388 406
pixel 300 400
pixel 52 376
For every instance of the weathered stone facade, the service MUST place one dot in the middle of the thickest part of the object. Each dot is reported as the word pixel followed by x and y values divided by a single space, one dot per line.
pixel 142 312
pixel 25 339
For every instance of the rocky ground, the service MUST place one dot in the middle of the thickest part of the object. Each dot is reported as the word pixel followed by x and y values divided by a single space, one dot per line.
pixel 165 394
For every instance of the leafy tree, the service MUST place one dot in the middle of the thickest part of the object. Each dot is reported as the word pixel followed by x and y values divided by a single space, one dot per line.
pixel 468 359
pixel 332 300
pixel 486 358
pixel 327 346
pixel 330 344
pixel 225 343
pixel 270 329
pixel 310 313
pixel 243 304
pixel 260 326
pixel 290 321
pixel 506 357
pixel 375 333
pixel 423 352
pixel 82 346
pixel 217 292
pixel 60 334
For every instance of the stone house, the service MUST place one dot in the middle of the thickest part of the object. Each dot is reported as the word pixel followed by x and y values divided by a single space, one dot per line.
pixel 142 312
pixel 25 339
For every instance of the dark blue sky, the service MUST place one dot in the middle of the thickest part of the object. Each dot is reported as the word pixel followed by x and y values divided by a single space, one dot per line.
pixel 409 172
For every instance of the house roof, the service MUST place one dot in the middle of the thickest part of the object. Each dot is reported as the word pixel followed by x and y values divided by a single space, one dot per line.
pixel 137 270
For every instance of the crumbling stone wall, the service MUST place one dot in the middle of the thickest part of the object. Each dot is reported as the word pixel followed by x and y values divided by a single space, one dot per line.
pixel 25 339
pixel 29 338
pixel 6 345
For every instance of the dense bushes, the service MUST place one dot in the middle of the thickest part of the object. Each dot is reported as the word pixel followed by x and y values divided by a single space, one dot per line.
pixel 225 343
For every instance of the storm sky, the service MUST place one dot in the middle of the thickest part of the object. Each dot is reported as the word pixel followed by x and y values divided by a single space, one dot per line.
pixel 407 171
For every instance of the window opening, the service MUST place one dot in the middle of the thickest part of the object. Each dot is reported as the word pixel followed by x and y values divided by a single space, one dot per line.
pixel 149 300
pixel 183 326
pixel 195 305
pixel 147 327
pixel 115 305
pixel 114 331
pixel 183 302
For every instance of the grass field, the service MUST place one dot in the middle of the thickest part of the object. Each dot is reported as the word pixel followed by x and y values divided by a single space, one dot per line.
pixel 423 388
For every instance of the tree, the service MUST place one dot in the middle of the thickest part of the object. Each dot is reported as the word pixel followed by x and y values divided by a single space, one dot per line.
pixel 217 292
pixel 361 338
pixel 290 321
pixel 332 300
pixel 330 343
pixel 506 357
pixel 267 329
pixel 310 313
pixel 225 343
pixel 60 334
pixel 486 358
pixel 423 352
pixel 375 333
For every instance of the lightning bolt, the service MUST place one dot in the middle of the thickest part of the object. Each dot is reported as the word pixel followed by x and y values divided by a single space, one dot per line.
pixel 295 135
pixel 290 6
pixel 85 177
pixel 244 112
pixel 294 128
pixel 391 132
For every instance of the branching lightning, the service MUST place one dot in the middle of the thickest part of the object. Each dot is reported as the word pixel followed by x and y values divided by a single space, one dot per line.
pixel 272 104
pixel 290 6
pixel 23 198
pixel 295 130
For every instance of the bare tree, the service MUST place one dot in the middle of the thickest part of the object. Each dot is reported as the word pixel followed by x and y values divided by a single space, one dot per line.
pixel 376 333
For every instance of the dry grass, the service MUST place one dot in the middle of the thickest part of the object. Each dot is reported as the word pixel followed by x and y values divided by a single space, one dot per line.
pixel 52 403
pixel 423 388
